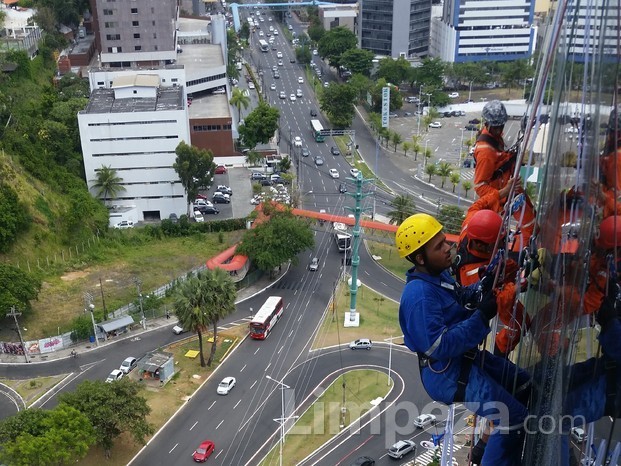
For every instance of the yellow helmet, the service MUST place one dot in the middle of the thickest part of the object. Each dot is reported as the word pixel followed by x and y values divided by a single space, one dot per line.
pixel 414 232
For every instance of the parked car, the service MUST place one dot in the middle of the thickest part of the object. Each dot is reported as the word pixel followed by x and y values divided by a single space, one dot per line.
pixel 251 85
pixel 401 448
pixel 435 124
pixel 470 127
pixel 256 176
pixel 173 218
pixel 305 152
pixel 198 217
pixel 220 90
pixel 220 198
pixel 128 365
pixel 411 100
pixel 475 121
pixel 361 343
pixel 220 170
pixel 115 375
pixel 204 451
pixel 297 141
pixel 453 95
pixel 124 225
pixel 424 420
pixel 335 150
pixel 208 209
pixel 314 264
pixel 226 385
pixel 334 173
pixel 318 161
pixel 224 189
pixel 354 172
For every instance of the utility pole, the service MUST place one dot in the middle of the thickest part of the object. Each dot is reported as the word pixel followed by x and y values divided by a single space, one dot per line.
pixel 353 320
pixel 89 306
pixel 15 315
pixel 138 284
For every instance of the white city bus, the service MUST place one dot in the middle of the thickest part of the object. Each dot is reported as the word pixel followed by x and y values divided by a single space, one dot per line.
pixel 264 46
pixel 266 317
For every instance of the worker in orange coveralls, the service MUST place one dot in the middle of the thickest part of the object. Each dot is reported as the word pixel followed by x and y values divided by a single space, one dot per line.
pixel 479 233
pixel 610 168
pixel 494 165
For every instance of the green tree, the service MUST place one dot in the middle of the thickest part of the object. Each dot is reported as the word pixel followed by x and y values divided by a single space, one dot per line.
pixel 253 158
pixel 316 32
pixel 396 139
pixel 444 171
pixel 35 437
pixel 396 101
pixel 337 101
pixel 219 293
pixel 14 217
pixel 244 30
pixel 403 206
pixel 335 42
pixel 430 169
pixel 406 146
pixel 284 164
pixel 514 72
pixel 451 217
pixel 393 71
pixel 467 186
pixel 259 125
pixel 276 241
pixel 303 54
pixel 195 168
pixel 454 179
pixel 358 61
pixel 362 84
pixel 190 307
pixel 17 288
pixel 112 408
pixel 239 100
pixel 107 184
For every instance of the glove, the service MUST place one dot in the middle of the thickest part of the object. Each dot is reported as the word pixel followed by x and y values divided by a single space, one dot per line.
pixel 488 305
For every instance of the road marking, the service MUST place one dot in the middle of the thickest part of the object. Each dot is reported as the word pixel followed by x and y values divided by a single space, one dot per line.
pixel 193 425
pixel 211 406
pixel 268 366
pixel 253 384
pixel 236 404
pixel 171 450
pixel 257 350
pixel 219 453
pixel 280 349
pixel 219 424
pixel 242 369
pixel 299 318
pixel 290 333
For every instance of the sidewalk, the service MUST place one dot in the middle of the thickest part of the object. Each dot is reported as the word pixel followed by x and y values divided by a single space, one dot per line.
pixel 136 332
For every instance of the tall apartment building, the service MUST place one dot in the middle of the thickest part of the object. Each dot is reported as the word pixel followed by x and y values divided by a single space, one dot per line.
pixel 136 32
pixel 395 28
pixel 478 30
pixel 591 28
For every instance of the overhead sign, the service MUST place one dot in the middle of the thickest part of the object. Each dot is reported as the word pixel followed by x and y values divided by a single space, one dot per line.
pixel 385 106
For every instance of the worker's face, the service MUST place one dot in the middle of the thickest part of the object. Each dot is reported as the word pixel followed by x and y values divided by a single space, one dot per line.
pixel 496 130
pixel 438 255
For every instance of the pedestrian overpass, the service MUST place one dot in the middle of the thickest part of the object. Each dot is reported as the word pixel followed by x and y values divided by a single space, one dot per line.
pixel 273 6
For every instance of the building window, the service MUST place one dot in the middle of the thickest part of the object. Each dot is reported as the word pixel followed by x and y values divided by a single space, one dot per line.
pixel 135 23
pixel 108 12
pixel 100 83
pixel 138 48
pixel 174 80
pixel 111 24
pixel 155 35
pixel 113 36
pixel 137 36
pixel 134 11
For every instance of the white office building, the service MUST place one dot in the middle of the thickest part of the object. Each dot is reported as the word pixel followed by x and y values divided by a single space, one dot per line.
pixel 478 30
pixel 589 25
pixel 133 124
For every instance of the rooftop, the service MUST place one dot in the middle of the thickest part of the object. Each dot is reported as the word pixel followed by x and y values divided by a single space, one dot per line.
pixel 197 58
pixel 210 106
pixel 103 101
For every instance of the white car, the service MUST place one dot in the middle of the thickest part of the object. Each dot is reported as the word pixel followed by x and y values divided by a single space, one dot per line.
pixel 578 434
pixel 261 34
pixel 435 124
pixel 124 225
pixel 273 86
pixel 178 329
pixel 220 90
pixel 115 375
pixel 453 95
pixel 326 84
pixel 297 141
pixel 354 172
pixel 275 32
pixel 198 217
pixel 300 80
pixel 280 63
pixel 424 420
pixel 250 85
pixel 282 95
pixel 334 173
pixel 128 365
pixel 315 52
pixel 278 54
pixel 226 385
pixel 401 448
pixel 298 93
pixel 292 97
pixel 362 343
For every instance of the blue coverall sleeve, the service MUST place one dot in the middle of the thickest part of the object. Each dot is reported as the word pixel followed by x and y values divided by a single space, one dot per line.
pixel 611 340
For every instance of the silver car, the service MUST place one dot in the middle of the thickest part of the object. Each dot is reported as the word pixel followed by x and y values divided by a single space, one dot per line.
pixel 401 448
pixel 314 264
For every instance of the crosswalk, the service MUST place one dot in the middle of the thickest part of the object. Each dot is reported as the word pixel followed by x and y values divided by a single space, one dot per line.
pixel 466 173
pixel 428 455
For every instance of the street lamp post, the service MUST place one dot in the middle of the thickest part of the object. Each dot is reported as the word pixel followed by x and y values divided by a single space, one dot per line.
pixel 91 308
pixel 282 419
pixel 143 319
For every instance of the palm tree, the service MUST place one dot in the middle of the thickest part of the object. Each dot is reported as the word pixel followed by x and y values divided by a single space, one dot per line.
pixel 108 183
pixel 406 146
pixel 189 305
pixel 467 185
pixel 403 206
pixel 454 178
pixel 444 170
pixel 430 170
pixel 239 100
pixel 396 139
pixel 220 292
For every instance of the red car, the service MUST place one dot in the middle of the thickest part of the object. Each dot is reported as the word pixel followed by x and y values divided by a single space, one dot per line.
pixel 203 451
pixel 220 170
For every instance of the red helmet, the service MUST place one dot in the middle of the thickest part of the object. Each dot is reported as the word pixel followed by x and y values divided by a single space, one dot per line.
pixel 485 225
pixel 609 235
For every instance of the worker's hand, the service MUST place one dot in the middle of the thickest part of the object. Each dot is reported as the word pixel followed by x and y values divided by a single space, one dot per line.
pixel 488 305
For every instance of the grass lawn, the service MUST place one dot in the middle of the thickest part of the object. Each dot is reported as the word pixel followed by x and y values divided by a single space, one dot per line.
pixel 165 401
pixel 32 389
pixel 390 258
pixel 378 318
pixel 321 422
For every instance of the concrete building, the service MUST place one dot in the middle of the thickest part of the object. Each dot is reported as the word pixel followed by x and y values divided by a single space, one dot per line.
pixel 395 28
pixel 589 25
pixel 134 126
pixel 477 30
pixel 339 15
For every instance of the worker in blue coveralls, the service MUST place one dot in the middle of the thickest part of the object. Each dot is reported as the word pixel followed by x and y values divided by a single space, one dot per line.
pixel 444 324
